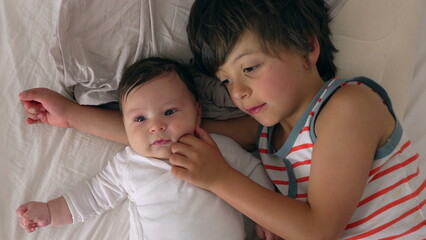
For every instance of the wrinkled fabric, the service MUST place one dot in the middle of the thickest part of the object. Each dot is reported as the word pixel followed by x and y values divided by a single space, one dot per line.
pixel 96 40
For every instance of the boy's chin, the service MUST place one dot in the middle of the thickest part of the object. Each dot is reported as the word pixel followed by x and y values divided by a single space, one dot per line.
pixel 266 122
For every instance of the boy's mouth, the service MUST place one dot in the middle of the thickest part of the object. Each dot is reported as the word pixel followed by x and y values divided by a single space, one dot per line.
pixel 255 109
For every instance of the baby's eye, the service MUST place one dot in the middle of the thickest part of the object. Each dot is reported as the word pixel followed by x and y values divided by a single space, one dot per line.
pixel 170 112
pixel 140 119
pixel 249 69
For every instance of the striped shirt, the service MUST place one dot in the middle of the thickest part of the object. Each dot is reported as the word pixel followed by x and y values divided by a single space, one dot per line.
pixel 392 205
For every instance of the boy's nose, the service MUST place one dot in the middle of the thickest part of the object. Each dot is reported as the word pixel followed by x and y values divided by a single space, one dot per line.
pixel 239 90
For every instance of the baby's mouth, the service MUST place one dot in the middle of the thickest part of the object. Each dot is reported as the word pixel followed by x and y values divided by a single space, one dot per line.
pixel 161 142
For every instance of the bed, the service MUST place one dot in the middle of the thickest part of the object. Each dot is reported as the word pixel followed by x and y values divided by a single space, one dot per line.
pixel 381 39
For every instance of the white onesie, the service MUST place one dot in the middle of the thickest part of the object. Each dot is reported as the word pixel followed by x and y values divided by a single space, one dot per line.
pixel 163 206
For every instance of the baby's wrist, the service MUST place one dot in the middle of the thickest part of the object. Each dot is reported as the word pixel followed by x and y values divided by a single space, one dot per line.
pixel 72 115
pixel 59 212
pixel 49 220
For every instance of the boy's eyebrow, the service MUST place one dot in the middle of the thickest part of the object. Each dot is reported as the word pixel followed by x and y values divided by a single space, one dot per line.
pixel 243 54
pixel 240 56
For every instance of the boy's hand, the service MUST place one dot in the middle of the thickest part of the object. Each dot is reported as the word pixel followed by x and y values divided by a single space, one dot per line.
pixel 198 160
pixel 33 215
pixel 43 105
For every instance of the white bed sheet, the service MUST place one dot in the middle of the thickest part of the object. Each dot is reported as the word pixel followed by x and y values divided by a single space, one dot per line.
pixel 39 162
pixel 415 112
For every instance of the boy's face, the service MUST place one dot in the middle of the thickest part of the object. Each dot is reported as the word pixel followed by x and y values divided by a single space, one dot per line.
pixel 158 113
pixel 270 88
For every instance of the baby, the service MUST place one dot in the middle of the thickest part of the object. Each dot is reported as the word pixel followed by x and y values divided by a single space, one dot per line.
pixel 159 106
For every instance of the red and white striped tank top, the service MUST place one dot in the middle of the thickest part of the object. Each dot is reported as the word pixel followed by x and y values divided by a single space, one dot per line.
pixel 392 205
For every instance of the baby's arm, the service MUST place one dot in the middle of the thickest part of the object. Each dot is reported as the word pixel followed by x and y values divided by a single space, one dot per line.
pixel 104 191
pixel 33 215
pixel 46 106
pixel 43 105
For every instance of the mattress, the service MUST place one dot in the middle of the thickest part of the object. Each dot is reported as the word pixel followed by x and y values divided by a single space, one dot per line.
pixel 381 39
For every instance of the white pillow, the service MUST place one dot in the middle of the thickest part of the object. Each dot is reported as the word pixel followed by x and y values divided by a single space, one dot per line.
pixel 377 39
pixel 96 39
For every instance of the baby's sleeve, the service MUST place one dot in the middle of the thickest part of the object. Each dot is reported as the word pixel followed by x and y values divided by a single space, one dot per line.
pixel 101 193
pixel 243 161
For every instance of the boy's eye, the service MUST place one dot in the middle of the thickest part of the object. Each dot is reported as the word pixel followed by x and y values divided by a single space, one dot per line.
pixel 140 119
pixel 169 112
pixel 249 69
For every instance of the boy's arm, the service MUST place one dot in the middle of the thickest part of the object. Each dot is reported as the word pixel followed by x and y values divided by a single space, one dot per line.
pixel 242 130
pixel 46 106
pixel 344 170
pixel 33 215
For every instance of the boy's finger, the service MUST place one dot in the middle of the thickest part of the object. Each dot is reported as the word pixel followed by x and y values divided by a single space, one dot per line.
pixel 178 148
pixel 200 134
pixel 179 160
pixel 180 172
pixel 204 135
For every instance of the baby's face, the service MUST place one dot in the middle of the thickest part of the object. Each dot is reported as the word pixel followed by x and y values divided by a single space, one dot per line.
pixel 158 113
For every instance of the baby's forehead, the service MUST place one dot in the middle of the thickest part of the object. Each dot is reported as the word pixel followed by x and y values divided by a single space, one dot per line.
pixel 163 89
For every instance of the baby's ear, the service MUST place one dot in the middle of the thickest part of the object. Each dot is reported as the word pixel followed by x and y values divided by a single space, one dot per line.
pixel 199 114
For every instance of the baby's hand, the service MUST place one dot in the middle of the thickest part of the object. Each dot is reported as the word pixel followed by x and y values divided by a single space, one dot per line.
pixel 265 234
pixel 43 105
pixel 33 215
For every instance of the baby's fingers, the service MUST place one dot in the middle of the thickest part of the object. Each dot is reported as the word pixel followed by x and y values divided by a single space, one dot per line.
pixel 21 210
pixel 30 228
pixel 32 107
pixel 39 118
pixel 27 224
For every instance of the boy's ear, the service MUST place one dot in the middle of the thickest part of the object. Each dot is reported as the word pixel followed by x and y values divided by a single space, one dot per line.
pixel 313 55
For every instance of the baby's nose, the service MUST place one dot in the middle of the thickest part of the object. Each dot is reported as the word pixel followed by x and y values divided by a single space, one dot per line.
pixel 157 126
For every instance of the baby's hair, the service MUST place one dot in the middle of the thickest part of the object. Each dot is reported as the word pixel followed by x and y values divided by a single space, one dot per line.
pixel 214 27
pixel 147 69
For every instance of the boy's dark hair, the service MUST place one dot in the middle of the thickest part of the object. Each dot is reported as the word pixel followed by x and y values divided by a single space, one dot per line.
pixel 215 26
pixel 147 69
